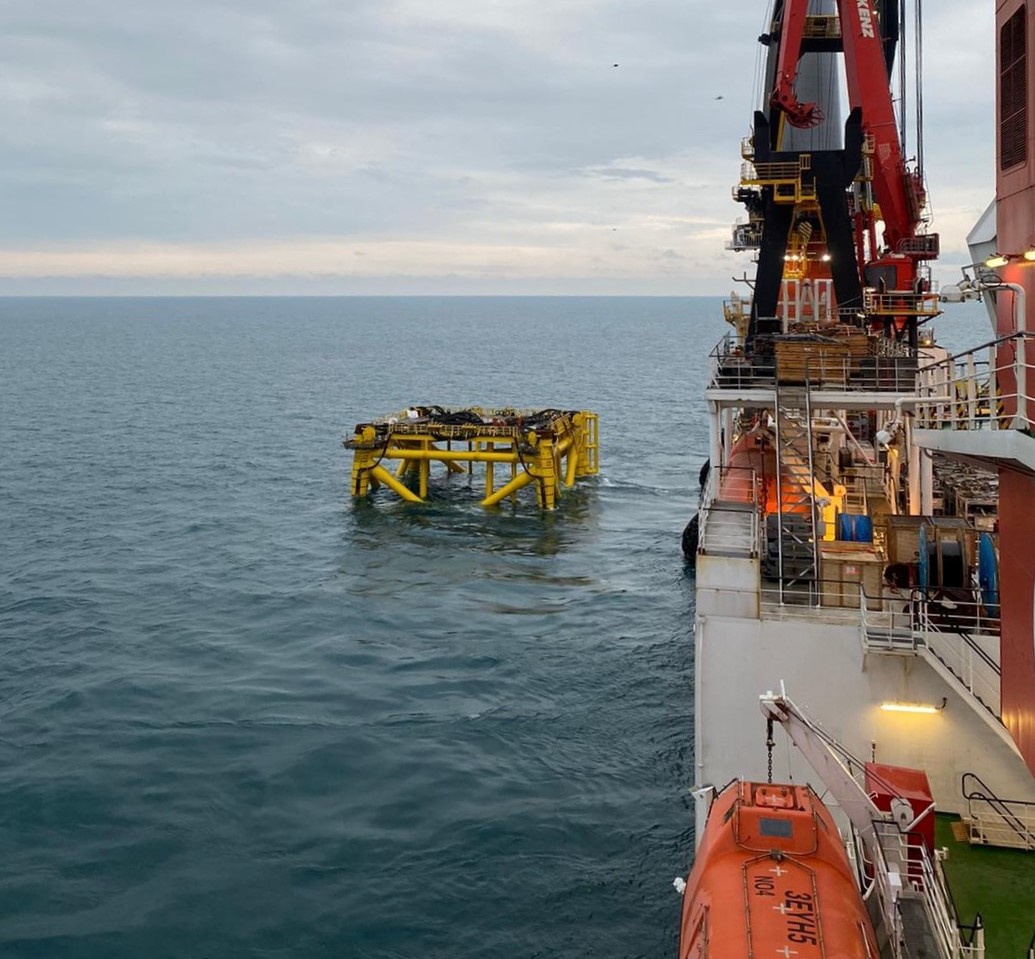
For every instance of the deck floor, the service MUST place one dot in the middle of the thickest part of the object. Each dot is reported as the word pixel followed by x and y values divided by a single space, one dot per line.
pixel 998 883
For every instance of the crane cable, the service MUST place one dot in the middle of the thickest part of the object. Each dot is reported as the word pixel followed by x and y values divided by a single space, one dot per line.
pixel 919 61
pixel 761 63
pixel 902 106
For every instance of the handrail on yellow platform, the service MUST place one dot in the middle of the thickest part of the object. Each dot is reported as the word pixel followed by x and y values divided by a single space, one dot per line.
pixel 550 448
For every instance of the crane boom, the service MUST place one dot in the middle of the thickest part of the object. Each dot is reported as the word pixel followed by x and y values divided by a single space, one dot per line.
pixel 791 32
pixel 898 191
pixel 868 88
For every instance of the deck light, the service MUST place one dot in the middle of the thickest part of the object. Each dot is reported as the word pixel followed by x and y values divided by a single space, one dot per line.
pixel 1029 255
pixel 898 707
pixel 994 262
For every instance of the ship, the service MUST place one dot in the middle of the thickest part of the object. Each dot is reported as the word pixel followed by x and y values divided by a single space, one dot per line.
pixel 865 541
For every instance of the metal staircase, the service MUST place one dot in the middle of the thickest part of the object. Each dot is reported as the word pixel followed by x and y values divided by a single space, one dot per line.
pixel 958 649
pixel 792 531
pixel 994 821
pixel 856 498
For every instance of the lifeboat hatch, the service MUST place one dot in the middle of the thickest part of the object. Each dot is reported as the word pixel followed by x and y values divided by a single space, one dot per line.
pixel 781 904
pixel 778 797
pixel 775 819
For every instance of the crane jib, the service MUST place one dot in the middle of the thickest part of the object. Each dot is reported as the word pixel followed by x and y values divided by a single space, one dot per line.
pixel 866 19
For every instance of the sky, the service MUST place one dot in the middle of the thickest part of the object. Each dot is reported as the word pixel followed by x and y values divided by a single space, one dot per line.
pixel 413 146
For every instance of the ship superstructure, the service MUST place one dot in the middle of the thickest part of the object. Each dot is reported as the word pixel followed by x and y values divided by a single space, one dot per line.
pixel 866 533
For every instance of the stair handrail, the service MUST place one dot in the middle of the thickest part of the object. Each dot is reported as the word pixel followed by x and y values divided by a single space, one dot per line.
pixel 922 604
pixel 971 934
pixel 985 794
pixel 955 649
pixel 812 474
pixel 918 874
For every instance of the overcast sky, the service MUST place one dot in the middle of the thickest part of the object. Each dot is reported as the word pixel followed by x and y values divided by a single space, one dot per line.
pixel 412 146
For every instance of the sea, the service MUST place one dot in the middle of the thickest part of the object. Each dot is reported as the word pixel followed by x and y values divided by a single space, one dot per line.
pixel 244 715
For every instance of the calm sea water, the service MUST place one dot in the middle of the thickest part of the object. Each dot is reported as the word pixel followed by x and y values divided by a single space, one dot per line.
pixel 241 715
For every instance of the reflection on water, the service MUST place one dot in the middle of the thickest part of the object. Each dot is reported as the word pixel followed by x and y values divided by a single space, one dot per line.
pixel 319 728
pixel 453 517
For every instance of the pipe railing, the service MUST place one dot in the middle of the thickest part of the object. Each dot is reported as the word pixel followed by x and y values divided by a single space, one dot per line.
pixel 900 302
pixel 955 643
pixel 893 369
pixel 959 611
pixel 903 870
pixel 971 933
pixel 984 388
pixel 813 593
pixel 958 633
pixel 995 821
pixel 733 493
pixel 886 893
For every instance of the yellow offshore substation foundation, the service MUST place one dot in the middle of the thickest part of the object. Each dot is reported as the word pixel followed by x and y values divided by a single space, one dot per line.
pixel 549 448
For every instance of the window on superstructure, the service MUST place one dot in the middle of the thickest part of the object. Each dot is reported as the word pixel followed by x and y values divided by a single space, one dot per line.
pixel 1013 105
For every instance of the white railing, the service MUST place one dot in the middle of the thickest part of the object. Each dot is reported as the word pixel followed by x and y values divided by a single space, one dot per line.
pixel 904 870
pixel 887 623
pixel 729 529
pixel 728 368
pixel 971 655
pixel 997 822
pixel 832 596
pixel 886 890
pixel 892 369
pixel 730 514
pixel 963 638
pixel 740 484
pixel 978 390
pixel 991 827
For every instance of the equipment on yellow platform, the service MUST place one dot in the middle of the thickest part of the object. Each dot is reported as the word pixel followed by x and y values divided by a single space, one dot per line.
pixel 550 448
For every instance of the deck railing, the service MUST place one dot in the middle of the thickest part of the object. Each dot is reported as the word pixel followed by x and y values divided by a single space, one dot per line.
pixel 978 390
pixel 730 515
pixel 899 303
pixel 960 635
pixel 904 871
pixel 893 370
pixel 995 821
pixel 834 596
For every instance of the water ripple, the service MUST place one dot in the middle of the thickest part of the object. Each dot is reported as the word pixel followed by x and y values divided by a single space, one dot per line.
pixel 243 716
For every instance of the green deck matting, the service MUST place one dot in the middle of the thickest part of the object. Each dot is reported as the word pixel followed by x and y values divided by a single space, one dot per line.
pixel 998 883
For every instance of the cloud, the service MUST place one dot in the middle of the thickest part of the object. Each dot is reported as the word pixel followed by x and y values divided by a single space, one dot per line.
pixel 261 137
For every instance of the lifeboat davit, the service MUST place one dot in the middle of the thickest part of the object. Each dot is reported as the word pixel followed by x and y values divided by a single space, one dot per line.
pixel 771 880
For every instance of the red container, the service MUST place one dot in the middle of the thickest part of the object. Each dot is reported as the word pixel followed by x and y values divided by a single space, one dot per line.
pixel 885 783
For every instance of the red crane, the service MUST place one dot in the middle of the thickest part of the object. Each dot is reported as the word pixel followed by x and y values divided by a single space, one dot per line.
pixel 898 191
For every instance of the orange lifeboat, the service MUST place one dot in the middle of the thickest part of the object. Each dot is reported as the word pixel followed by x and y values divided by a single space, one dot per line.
pixel 772 881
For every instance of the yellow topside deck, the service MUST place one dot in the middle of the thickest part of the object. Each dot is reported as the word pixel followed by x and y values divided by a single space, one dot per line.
pixel 548 448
